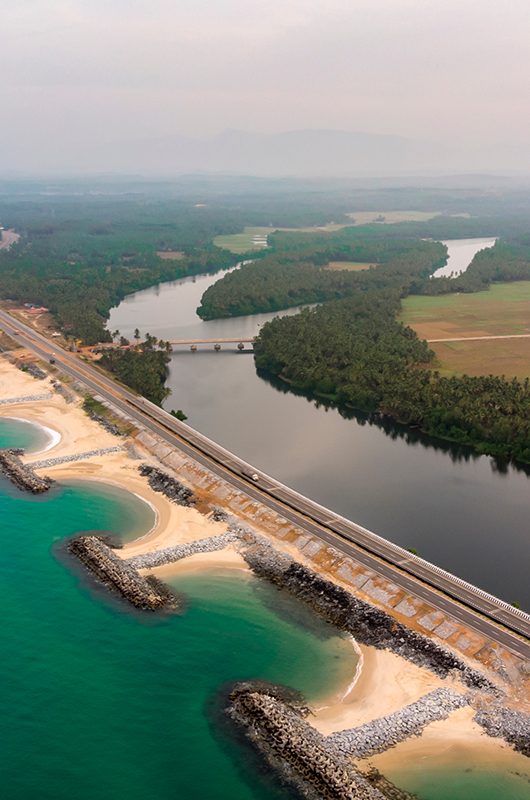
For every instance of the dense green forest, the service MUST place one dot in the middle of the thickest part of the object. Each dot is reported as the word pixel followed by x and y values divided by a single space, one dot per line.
pixel 355 353
pixel 286 280
pixel 84 246
pixel 144 368
pixel 81 258
pixel 506 261
pixel 292 272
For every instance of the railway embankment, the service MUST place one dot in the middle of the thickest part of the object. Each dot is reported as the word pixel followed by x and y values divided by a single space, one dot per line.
pixel 119 576
pixel 366 623
pixel 22 475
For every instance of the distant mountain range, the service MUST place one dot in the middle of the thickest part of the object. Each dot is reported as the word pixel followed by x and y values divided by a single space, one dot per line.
pixel 298 153
pixel 293 153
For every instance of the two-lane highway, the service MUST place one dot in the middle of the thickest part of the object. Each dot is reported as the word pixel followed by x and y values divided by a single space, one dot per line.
pixel 435 586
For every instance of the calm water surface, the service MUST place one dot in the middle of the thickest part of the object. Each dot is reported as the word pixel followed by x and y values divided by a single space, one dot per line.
pixel 19 433
pixel 97 702
pixel 455 509
pixel 460 255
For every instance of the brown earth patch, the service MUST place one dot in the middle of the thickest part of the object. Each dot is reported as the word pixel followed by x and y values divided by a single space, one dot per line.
pixel 170 255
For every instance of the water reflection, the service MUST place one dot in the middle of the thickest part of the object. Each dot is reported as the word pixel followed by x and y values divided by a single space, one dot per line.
pixel 465 512
pixel 395 430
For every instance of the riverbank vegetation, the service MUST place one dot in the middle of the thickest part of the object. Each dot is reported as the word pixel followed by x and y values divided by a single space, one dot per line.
pixel 145 368
pixel 355 353
pixel 84 247
pixel 298 278
pixel 81 259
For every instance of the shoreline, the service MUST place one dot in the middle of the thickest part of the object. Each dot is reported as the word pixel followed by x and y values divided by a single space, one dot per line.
pixel 114 485
pixel 382 683
pixel 54 437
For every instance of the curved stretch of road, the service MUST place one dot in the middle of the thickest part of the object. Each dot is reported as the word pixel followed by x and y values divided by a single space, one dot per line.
pixel 496 619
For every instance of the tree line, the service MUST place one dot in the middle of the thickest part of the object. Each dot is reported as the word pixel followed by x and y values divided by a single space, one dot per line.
pixel 144 368
pixel 355 353
pixel 289 279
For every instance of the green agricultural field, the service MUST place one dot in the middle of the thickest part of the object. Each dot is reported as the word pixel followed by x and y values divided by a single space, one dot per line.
pixel 503 310
pixel 250 240
pixel 508 357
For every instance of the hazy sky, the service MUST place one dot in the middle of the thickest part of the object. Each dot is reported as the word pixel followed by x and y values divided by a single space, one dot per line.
pixel 103 70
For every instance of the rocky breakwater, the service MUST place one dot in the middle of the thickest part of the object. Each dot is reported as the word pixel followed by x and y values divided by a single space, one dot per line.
pixel 119 576
pixel 294 749
pixel 380 734
pixel 366 623
pixel 171 554
pixel 507 723
pixel 21 474
pixel 160 481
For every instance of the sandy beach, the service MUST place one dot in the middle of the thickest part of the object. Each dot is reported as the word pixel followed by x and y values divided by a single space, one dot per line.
pixel 384 683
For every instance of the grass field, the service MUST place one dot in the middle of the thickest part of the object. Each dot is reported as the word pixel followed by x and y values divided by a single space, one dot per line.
pixel 508 357
pixel 253 238
pixel 501 311
pixel 348 266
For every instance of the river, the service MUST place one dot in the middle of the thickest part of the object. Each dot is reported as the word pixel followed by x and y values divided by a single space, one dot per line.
pixel 457 510
pixel 460 255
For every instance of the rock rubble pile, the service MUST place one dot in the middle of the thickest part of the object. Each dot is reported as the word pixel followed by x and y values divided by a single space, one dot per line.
pixel 33 370
pixel 380 734
pixel 105 423
pixel 21 474
pixel 386 787
pixel 28 398
pixel 160 481
pixel 507 723
pixel 51 462
pixel 119 576
pixel 171 554
pixel 295 749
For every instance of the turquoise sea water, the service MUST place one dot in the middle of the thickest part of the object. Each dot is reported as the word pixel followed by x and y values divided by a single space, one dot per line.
pixel 98 702
pixel 18 433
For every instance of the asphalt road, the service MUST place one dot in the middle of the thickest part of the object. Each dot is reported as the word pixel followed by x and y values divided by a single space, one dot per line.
pixel 447 596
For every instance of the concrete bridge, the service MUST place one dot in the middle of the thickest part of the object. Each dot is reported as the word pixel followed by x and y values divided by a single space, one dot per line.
pixel 217 344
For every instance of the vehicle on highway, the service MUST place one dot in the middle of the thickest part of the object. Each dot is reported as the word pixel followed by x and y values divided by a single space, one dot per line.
pixel 252 475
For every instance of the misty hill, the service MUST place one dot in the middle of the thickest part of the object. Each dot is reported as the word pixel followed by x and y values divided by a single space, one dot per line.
pixel 299 154
pixel 296 153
